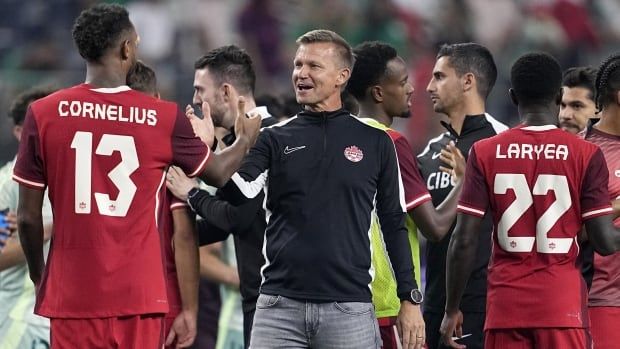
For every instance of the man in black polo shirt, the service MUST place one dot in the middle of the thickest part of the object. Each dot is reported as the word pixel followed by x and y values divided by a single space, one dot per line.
pixel 463 76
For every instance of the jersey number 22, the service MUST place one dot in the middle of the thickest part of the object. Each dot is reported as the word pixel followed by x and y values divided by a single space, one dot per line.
pixel 523 200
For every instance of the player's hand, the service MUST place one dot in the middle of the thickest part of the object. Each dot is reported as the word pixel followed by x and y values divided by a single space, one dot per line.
pixel 452 325
pixel 178 183
pixel 410 326
pixel 183 330
pixel 203 128
pixel 4 238
pixel 615 205
pixel 11 220
pixel 8 225
pixel 246 126
pixel 455 161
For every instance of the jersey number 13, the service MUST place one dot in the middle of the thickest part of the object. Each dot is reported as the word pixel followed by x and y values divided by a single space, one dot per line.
pixel 125 145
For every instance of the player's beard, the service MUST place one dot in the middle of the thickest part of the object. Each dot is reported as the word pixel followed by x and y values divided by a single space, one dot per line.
pixel 570 127
pixel 405 114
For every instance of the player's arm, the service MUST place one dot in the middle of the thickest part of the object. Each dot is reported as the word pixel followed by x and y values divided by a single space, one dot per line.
pixel 615 205
pixel 214 269
pixel 218 215
pixel 29 171
pixel 196 159
pixel 391 214
pixel 251 178
pixel 463 246
pixel 596 209
pixel 459 265
pixel 30 226
pixel 603 235
pixel 187 265
pixel 434 223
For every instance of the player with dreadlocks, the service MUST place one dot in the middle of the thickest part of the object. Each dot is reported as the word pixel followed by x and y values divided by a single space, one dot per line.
pixel 603 272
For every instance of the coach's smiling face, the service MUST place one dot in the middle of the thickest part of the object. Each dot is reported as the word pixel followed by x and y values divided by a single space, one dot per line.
pixel 318 76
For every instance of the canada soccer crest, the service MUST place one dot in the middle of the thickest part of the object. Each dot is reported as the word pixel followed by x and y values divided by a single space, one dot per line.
pixel 353 153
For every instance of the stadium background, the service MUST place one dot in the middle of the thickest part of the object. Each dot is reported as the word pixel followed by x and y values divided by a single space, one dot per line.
pixel 36 45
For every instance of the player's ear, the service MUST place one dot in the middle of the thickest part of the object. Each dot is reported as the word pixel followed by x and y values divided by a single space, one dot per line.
pixel 513 96
pixel 618 97
pixel 125 50
pixel 469 81
pixel 227 91
pixel 343 77
pixel 376 92
pixel 558 98
pixel 17 132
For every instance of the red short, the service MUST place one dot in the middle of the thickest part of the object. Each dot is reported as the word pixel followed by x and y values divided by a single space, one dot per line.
pixel 389 333
pixel 530 338
pixel 139 331
pixel 604 327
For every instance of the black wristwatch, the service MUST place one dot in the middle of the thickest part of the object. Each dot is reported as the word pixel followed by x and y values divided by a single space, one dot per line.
pixel 415 296
pixel 192 192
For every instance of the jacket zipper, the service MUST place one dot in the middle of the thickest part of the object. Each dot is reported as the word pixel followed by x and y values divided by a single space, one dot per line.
pixel 324 134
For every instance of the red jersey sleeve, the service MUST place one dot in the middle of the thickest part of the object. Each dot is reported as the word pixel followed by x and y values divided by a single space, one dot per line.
pixel 594 191
pixel 474 198
pixel 29 168
pixel 415 188
pixel 176 203
pixel 188 151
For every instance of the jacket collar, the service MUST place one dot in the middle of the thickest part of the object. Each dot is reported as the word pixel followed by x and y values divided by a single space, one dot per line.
pixel 323 114
pixel 471 123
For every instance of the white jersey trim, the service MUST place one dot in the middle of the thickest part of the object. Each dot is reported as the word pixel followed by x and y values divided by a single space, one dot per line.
pixel 417 200
pixel 118 89
pixel 157 194
pixel 178 205
pixel 597 212
pixel 25 181
pixel 470 210
pixel 202 165
pixel 540 128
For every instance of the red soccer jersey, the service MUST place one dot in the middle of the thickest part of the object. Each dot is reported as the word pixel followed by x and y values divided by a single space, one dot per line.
pixel 103 154
pixel 605 289
pixel 540 183
pixel 415 188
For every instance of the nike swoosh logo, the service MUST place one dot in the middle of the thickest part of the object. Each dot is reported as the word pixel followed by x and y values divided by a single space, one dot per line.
pixel 435 155
pixel 288 150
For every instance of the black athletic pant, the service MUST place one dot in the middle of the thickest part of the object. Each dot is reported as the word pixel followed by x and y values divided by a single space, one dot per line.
pixel 472 323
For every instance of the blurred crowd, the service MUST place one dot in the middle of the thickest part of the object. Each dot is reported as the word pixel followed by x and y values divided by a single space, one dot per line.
pixel 35 41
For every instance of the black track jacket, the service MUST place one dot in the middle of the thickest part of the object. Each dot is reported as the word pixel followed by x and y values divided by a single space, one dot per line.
pixel 323 174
